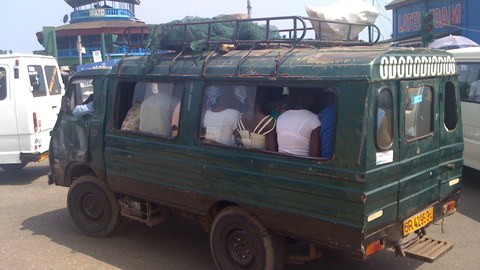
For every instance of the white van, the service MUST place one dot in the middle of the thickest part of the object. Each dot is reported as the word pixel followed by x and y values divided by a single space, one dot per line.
pixel 468 61
pixel 31 90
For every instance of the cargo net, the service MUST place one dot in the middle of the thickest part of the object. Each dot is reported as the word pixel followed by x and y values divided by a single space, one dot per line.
pixel 200 34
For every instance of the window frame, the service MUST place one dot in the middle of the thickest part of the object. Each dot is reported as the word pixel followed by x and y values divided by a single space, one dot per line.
pixel 178 91
pixel 3 83
pixel 378 126
pixel 41 90
pixel 409 106
pixel 450 106
pixel 54 87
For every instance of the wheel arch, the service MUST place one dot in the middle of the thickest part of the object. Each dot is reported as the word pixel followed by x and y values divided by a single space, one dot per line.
pixel 77 169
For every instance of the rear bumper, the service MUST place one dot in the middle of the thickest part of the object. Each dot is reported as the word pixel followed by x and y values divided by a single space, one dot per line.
pixel 33 157
pixel 392 235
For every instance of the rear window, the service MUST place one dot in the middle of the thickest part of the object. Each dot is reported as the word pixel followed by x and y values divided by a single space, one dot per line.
pixel 451 110
pixel 384 119
pixel 37 80
pixel 418 112
pixel 3 83
pixel 53 79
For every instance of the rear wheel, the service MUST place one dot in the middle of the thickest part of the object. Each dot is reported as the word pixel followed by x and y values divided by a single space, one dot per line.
pixel 92 206
pixel 240 241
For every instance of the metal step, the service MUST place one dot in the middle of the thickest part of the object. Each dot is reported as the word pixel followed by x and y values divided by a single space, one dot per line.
pixel 427 249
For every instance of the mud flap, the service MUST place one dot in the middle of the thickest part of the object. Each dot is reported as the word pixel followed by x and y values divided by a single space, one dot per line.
pixel 427 249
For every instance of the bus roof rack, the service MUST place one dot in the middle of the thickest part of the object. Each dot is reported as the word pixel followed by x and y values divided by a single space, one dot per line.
pixel 181 36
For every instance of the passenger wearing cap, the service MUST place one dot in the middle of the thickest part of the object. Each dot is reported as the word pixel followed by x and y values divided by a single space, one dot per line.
pixel 220 120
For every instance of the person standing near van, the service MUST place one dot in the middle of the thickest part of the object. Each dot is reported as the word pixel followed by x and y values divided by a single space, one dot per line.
pixel 298 129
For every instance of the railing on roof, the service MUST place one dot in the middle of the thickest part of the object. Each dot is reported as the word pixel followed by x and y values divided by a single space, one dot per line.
pixel 295 35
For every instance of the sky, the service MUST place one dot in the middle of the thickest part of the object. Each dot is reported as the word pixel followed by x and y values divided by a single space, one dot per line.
pixel 22 19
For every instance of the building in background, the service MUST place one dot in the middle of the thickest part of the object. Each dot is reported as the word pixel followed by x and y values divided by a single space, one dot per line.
pixel 96 28
pixel 450 17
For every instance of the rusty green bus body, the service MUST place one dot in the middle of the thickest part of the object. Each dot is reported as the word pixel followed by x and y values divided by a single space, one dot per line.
pixel 344 203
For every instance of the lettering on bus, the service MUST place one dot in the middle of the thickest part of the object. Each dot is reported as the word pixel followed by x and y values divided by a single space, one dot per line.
pixel 443 16
pixel 398 67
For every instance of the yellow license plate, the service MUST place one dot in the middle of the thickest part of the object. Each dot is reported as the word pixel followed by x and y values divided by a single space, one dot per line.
pixel 418 221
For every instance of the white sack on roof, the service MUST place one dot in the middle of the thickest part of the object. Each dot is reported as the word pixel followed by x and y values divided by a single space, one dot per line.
pixel 350 11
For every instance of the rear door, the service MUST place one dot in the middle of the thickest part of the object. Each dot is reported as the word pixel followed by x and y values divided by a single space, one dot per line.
pixel 419 146
pixel 47 92
pixel 451 140
pixel 9 146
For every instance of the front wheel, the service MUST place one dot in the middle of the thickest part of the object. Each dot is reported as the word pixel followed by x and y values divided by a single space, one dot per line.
pixel 239 241
pixel 92 206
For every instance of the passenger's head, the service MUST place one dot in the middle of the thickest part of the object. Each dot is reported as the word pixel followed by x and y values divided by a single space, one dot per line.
pixel 214 93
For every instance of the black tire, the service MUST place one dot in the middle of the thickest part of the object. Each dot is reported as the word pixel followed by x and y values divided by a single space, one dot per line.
pixel 92 206
pixel 13 167
pixel 240 241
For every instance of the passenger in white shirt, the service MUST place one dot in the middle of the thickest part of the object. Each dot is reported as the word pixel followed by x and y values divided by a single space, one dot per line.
pixel 298 130
pixel 220 119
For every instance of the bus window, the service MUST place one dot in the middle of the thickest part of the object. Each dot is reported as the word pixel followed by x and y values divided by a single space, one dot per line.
pixel 281 119
pixel 384 119
pixel 150 108
pixel 53 80
pixel 418 112
pixel 451 115
pixel 3 84
pixel 224 108
pixel 37 80
pixel 469 82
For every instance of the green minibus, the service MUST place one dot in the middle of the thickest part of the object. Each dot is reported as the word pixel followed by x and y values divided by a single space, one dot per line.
pixel 349 149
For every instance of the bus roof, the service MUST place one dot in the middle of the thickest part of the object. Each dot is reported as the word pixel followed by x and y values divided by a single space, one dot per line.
pixel 334 63
pixel 466 54
pixel 25 55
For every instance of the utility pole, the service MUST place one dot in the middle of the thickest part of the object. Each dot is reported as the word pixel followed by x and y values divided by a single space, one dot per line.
pixel 79 49
pixel 249 9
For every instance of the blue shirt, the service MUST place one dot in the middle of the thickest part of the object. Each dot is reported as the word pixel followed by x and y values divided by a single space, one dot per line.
pixel 327 119
pixel 81 110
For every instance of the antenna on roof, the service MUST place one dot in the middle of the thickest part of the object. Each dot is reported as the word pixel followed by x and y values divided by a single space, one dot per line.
pixel 65 18
pixel 249 9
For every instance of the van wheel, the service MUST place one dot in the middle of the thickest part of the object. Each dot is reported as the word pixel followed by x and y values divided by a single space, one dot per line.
pixel 13 167
pixel 240 241
pixel 92 206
